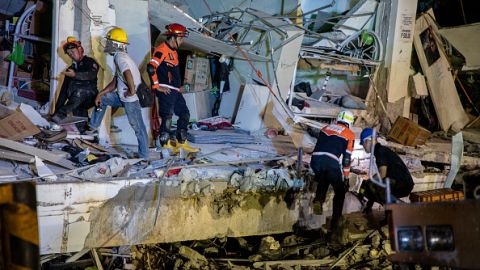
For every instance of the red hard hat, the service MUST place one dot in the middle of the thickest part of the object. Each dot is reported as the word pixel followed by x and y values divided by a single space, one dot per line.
pixel 176 29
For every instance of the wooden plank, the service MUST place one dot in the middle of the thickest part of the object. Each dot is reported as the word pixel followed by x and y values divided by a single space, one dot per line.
pixel 12 155
pixel 289 263
pixel 317 63
pixel 45 155
pixel 436 68
pixel 472 135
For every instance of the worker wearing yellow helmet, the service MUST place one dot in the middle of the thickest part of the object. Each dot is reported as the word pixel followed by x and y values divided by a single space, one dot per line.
pixel 127 79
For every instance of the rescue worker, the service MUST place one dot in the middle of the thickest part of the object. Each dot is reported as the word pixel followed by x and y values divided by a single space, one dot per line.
pixel 79 87
pixel 126 80
pixel 332 152
pixel 389 165
pixel 164 73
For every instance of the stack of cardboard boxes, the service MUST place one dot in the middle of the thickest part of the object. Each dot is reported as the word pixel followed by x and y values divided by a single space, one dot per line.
pixel 197 85
pixel 197 74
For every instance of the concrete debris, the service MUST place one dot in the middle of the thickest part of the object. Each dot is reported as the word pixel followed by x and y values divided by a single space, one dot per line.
pixel 196 259
pixel 205 174
pixel 304 250
pixel 110 168
pixel 268 244
pixel 273 179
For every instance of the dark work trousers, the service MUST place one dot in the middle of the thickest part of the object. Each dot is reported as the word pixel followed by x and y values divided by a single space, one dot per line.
pixel 328 172
pixel 168 104
pixel 78 102
pixel 376 194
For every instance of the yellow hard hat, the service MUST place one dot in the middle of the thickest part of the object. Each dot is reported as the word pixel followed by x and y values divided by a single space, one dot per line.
pixel 117 34
pixel 71 39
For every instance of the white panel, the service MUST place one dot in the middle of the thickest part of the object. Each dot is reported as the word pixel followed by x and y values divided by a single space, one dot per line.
pixel 399 47
pixel 200 104
pixel 252 107
pixel 465 39
pixel 132 16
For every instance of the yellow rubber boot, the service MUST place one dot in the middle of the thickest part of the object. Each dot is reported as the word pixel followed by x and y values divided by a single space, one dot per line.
pixel 187 148
pixel 171 147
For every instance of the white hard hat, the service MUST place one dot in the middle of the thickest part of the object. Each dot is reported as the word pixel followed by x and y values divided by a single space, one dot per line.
pixel 346 117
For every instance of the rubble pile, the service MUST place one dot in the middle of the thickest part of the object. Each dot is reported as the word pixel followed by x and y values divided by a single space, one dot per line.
pixel 359 247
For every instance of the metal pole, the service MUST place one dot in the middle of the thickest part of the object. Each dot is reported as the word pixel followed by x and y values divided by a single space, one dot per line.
pixel 388 195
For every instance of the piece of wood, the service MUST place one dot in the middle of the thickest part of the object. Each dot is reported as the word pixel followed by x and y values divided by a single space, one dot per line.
pixel 322 262
pixel 436 68
pixel 84 144
pixel 43 154
pixel 77 255
pixel 474 123
pixel 96 259
pixel 316 63
pixel 472 135
pixel 12 155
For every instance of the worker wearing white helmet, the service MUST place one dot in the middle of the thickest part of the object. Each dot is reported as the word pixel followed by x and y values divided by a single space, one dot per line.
pixel 331 156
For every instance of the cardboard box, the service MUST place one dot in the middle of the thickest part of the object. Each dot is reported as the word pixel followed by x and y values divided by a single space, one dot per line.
pixel 444 194
pixel 14 125
pixel 408 133
pixel 197 74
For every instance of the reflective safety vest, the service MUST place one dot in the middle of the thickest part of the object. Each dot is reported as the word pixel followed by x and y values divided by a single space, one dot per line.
pixel 165 63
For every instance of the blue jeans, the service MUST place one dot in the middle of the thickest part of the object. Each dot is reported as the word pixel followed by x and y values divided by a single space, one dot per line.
pixel 134 115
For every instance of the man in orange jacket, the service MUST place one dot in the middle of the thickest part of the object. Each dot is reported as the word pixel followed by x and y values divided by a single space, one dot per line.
pixel 164 72
pixel 334 141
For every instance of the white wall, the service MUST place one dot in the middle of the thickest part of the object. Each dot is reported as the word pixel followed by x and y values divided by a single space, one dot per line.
pixel 132 16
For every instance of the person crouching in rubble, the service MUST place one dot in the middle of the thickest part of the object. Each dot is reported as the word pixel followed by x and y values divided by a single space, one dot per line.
pixel 389 165
pixel 334 140
pixel 164 73
pixel 126 80
pixel 79 87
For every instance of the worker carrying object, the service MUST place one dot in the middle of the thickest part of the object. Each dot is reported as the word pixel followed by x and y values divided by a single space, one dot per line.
pixel 79 87
pixel 164 73
pixel 389 165
pixel 331 155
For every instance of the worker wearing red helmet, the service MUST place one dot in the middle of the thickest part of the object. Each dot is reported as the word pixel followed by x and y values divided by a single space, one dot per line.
pixel 164 72
pixel 79 87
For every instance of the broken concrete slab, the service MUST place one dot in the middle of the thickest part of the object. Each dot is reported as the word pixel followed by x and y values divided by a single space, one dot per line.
pixel 74 216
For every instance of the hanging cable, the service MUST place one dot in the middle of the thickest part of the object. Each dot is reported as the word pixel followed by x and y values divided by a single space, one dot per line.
pixel 260 76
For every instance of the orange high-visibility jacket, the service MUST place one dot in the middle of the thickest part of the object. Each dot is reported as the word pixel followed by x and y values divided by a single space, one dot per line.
pixel 334 141
pixel 165 63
